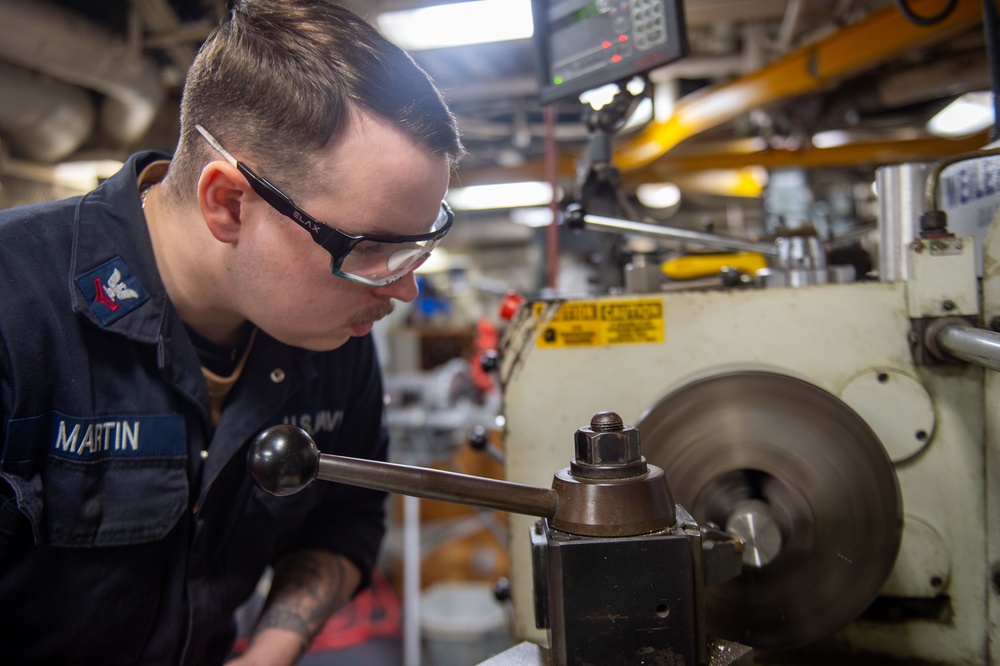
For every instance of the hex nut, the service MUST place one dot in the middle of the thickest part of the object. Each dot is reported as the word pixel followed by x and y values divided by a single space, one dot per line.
pixel 616 447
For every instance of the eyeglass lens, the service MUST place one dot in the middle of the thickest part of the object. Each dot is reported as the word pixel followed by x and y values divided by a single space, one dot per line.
pixel 377 261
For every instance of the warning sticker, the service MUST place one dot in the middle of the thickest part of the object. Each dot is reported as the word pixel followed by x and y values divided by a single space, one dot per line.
pixel 597 323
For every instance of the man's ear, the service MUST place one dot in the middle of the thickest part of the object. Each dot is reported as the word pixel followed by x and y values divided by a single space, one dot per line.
pixel 222 198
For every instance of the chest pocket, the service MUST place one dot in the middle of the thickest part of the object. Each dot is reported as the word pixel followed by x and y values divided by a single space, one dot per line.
pixel 91 482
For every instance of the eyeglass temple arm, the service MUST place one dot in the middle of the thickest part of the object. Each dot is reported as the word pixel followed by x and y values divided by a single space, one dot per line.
pixel 215 144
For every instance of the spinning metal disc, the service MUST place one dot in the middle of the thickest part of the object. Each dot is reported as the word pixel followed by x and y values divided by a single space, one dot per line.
pixel 803 479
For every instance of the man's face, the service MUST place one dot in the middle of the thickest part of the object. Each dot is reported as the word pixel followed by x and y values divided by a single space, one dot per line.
pixel 373 181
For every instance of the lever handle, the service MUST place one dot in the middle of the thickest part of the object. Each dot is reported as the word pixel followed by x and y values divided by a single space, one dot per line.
pixel 283 460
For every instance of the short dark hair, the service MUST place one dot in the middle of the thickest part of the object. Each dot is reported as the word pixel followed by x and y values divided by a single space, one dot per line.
pixel 280 79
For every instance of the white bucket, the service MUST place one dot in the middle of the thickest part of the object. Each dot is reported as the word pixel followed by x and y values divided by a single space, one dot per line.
pixel 462 623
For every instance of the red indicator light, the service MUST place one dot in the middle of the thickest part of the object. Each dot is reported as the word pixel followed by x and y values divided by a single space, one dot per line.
pixel 616 58
pixel 622 38
pixel 606 44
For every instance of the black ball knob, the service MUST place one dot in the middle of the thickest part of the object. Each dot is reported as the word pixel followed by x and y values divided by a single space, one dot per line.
pixel 489 360
pixel 501 590
pixel 478 438
pixel 283 459
pixel 573 216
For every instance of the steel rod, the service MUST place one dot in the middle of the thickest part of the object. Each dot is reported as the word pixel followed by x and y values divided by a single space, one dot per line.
pixel 411 581
pixel 602 223
pixel 439 485
pixel 975 345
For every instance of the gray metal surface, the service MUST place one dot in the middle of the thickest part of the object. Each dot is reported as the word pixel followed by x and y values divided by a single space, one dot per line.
pixel 824 477
pixel 975 345
pixel 900 202
pixel 439 485
pixel 614 224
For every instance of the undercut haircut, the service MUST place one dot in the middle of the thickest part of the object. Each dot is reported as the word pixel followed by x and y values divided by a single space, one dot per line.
pixel 279 81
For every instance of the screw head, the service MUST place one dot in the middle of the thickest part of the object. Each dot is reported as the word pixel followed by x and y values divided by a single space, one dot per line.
pixel 606 421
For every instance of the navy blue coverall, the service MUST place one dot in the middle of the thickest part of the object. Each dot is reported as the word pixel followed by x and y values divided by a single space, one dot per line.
pixel 129 529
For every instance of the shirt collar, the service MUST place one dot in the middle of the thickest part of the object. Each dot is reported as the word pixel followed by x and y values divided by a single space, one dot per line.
pixel 114 280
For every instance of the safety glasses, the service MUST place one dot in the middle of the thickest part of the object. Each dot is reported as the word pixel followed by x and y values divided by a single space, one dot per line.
pixel 367 259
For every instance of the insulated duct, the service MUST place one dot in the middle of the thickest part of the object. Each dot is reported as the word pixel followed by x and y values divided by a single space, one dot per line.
pixel 43 38
pixel 50 119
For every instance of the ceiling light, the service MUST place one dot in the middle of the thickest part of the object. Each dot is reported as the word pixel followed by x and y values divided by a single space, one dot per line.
pixel 81 175
pixel 831 139
pixel 532 217
pixel 658 195
pixel 458 24
pixel 503 195
pixel 598 98
pixel 970 113
pixel 96 169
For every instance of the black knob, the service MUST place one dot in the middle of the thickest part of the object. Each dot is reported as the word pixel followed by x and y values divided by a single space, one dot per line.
pixel 478 438
pixel 283 459
pixel 573 216
pixel 489 360
pixel 501 590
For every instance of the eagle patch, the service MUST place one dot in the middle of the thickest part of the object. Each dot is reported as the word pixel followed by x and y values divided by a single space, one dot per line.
pixel 112 290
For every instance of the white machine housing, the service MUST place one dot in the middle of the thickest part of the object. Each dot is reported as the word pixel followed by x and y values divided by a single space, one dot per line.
pixel 851 340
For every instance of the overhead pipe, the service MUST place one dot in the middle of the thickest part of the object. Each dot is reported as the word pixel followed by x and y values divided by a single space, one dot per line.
pixel 50 120
pixel 44 38
pixel 854 49
pixel 883 35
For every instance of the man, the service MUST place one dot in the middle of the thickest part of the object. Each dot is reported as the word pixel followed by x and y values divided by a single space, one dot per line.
pixel 150 329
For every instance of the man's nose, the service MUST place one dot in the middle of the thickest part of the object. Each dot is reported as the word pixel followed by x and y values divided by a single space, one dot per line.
pixel 404 289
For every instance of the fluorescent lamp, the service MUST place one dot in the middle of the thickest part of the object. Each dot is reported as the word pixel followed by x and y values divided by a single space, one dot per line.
pixel 831 139
pixel 458 24
pixel 598 98
pixel 503 195
pixel 658 195
pixel 532 217
pixel 970 113
pixel 84 175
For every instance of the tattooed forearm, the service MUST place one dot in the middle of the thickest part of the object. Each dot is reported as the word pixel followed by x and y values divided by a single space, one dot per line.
pixel 308 587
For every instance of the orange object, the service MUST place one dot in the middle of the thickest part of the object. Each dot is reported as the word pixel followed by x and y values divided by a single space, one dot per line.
pixel 509 305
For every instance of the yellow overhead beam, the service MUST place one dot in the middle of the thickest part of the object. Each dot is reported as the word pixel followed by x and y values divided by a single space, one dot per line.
pixel 673 167
pixel 879 37
pixel 889 151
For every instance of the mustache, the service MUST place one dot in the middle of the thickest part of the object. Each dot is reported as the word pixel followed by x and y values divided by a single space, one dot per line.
pixel 374 313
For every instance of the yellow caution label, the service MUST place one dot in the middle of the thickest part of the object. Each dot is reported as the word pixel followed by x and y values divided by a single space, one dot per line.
pixel 598 323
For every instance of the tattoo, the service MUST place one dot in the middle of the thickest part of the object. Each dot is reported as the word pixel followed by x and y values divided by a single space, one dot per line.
pixel 308 587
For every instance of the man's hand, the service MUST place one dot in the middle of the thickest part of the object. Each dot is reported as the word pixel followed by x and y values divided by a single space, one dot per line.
pixel 308 587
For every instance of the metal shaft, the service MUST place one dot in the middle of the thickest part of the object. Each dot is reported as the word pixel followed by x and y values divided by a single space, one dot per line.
pixel 615 224
pixel 975 345
pixel 439 485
